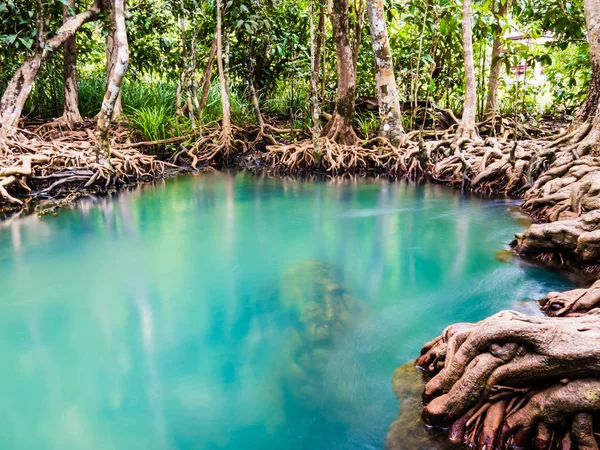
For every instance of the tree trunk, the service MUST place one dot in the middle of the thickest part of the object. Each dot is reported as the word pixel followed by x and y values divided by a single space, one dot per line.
pixel 323 49
pixel 258 115
pixel 339 129
pixel 207 77
pixel 112 52
pixel 359 10
pixel 108 113
pixel 491 105
pixel 387 90
pixel 314 89
pixel 187 76
pixel 71 108
pixel 589 114
pixel 467 126
pixel 18 89
pixel 226 127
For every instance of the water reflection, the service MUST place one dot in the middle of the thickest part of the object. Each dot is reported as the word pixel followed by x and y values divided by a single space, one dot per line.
pixel 227 311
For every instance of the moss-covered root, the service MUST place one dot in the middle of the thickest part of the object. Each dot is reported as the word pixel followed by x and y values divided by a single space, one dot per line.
pixel 516 382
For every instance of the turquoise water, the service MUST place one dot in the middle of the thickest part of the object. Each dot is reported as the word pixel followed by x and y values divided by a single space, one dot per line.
pixel 231 312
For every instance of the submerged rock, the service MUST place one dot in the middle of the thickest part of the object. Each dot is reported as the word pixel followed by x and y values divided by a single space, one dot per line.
pixel 505 256
pixel 408 431
pixel 321 311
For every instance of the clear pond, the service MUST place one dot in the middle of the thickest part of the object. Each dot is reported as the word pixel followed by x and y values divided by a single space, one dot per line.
pixel 230 312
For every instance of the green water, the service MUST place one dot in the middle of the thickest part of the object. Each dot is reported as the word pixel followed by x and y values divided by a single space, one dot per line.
pixel 230 312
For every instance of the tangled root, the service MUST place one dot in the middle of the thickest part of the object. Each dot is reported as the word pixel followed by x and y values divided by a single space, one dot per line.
pixel 513 382
pixel 215 146
pixel 377 155
pixel 571 303
pixel 29 162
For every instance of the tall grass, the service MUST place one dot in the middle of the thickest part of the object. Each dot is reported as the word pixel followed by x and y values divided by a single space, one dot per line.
pixel 136 94
pixel 368 123
pixel 91 93
pixel 150 104
pixel 241 108
pixel 286 102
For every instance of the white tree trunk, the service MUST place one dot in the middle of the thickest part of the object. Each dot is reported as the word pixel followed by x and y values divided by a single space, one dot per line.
pixel 226 128
pixel 207 77
pixel 314 90
pixel 107 112
pixel 18 89
pixel 112 52
pixel 387 90
pixel 467 126
pixel 71 109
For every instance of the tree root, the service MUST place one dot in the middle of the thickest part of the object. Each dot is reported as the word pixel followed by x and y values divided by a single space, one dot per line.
pixel 213 147
pixel 515 382
pixel 571 303
pixel 30 163
pixel 336 158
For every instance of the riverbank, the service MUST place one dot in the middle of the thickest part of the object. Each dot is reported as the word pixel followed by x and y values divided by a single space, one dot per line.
pixel 560 189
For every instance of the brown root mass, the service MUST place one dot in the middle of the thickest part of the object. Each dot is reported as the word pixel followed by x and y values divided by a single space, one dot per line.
pixel 53 159
pixel 514 382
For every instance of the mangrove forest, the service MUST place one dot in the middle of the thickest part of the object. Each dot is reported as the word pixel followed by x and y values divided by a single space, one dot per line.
pixel 300 224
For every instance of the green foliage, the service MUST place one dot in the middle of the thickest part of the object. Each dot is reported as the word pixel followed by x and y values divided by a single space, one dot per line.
pixel 91 92
pixel 241 107
pixel 570 73
pixel 271 37
pixel 287 101
pixel 147 93
pixel 368 123
pixel 155 123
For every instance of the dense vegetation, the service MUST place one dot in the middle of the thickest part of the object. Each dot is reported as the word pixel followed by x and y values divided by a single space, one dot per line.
pixel 269 43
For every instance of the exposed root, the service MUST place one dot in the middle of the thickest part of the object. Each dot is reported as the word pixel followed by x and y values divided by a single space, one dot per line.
pixel 32 164
pixel 514 382
pixel 336 158
pixel 213 147
pixel 570 303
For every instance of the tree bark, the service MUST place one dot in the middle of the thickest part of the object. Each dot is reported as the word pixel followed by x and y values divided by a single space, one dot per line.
pixel 544 371
pixel 340 127
pixel 467 126
pixel 589 114
pixel 207 77
pixel 491 105
pixel 112 52
pixel 359 11
pixel 254 97
pixel 108 113
pixel 71 108
pixel 226 126
pixel 187 75
pixel 18 89
pixel 387 91
pixel 314 80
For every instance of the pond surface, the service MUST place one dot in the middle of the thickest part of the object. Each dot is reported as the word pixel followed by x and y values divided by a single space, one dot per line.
pixel 231 312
